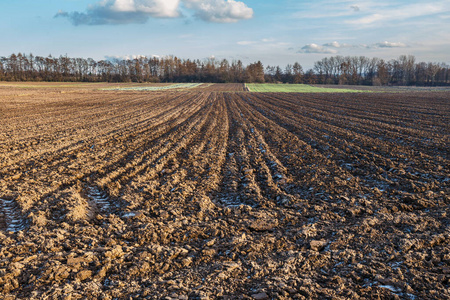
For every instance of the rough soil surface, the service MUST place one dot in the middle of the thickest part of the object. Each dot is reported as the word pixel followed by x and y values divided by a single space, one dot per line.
pixel 233 195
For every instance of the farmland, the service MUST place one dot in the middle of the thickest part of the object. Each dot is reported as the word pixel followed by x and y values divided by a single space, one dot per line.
pixel 296 88
pixel 209 191
pixel 178 86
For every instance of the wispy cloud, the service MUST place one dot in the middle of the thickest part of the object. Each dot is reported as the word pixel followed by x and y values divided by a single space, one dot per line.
pixel 246 43
pixel 139 11
pixel 265 43
pixel 363 14
pixel 384 13
pixel 334 9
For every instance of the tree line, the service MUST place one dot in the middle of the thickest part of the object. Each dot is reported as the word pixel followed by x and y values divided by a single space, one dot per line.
pixel 354 70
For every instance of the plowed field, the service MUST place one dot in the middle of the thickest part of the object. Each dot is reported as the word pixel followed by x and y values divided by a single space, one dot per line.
pixel 214 192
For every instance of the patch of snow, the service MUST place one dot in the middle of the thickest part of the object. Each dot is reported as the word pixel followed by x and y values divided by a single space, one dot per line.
pixel 12 216
pixel 99 197
pixel 391 288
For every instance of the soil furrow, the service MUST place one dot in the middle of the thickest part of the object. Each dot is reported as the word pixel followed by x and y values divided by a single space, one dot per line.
pixel 329 143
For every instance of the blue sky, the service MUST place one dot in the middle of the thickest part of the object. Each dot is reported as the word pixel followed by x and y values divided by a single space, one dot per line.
pixel 275 32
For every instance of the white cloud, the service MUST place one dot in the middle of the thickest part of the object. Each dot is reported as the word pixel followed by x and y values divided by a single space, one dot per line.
pixel 139 11
pixel 333 44
pixel 157 8
pixel 339 45
pixel 386 44
pixel 123 5
pixel 220 11
pixel 314 48
pixel 343 45
pixel 123 12
pixel 153 8
pixel 332 48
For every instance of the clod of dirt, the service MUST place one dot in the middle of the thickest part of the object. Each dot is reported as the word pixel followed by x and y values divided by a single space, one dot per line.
pixel 317 245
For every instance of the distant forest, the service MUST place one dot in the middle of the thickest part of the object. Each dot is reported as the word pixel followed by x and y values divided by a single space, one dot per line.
pixel 351 70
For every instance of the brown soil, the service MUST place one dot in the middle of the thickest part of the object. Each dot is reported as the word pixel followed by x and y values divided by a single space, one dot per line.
pixel 216 194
